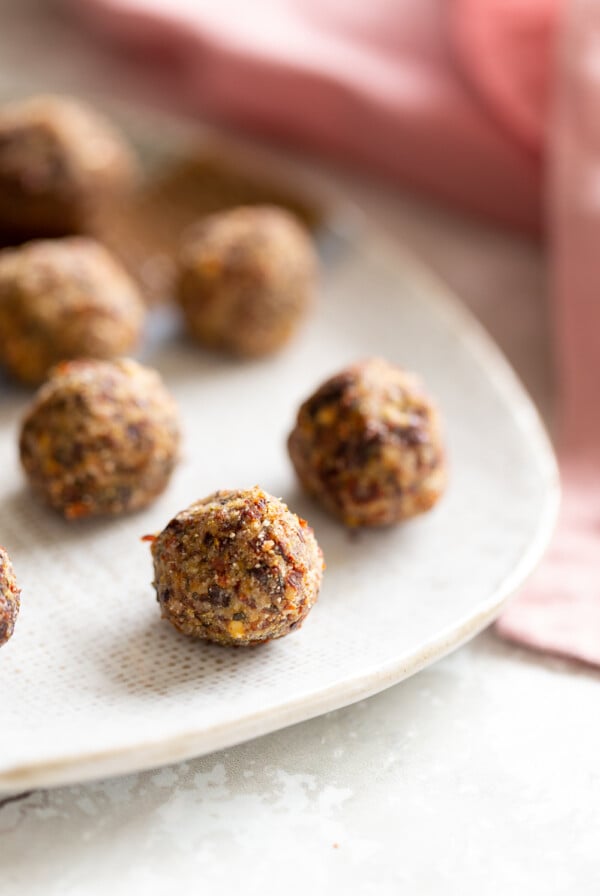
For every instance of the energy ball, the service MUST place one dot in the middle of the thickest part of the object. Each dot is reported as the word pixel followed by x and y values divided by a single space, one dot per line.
pixel 100 438
pixel 246 279
pixel 368 445
pixel 237 568
pixel 63 299
pixel 58 159
pixel 9 598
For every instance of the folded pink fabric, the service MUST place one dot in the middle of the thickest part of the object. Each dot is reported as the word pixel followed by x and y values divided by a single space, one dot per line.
pixel 374 84
pixel 469 101
pixel 560 610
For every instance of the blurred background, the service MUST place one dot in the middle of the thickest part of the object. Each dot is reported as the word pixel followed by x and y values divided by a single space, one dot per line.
pixel 497 269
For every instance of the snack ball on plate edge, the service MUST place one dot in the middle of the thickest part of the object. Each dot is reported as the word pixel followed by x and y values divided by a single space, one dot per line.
pixel 9 597
pixel 62 299
pixel 58 160
pixel 100 438
pixel 246 279
pixel 236 568
pixel 368 445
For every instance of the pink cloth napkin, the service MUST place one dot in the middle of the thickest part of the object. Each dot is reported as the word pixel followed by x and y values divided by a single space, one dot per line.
pixel 375 84
pixel 488 104
pixel 560 610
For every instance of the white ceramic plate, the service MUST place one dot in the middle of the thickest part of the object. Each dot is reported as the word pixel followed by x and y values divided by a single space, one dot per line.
pixel 95 684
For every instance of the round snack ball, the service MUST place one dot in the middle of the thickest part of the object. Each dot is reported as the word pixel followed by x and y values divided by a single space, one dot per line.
pixel 368 445
pixel 58 159
pixel 9 597
pixel 246 279
pixel 237 568
pixel 62 299
pixel 100 438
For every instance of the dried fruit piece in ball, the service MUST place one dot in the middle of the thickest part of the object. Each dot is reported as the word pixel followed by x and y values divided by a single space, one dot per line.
pixel 237 568
pixel 63 299
pixel 100 438
pixel 59 159
pixel 246 279
pixel 10 597
pixel 368 445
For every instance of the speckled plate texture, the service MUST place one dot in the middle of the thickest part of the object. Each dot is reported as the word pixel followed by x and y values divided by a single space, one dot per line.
pixel 93 683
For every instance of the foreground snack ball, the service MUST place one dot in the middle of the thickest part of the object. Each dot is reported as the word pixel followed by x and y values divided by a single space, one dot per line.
pixel 368 445
pixel 100 438
pixel 63 299
pixel 246 279
pixel 58 159
pixel 10 597
pixel 237 568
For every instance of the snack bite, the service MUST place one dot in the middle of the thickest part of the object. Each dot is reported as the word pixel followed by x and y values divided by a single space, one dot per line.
pixel 237 568
pixel 368 445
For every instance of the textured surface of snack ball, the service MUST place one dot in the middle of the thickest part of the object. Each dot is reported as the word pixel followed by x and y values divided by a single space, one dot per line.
pixel 63 299
pixel 100 438
pixel 237 568
pixel 246 279
pixel 368 445
pixel 10 597
pixel 58 159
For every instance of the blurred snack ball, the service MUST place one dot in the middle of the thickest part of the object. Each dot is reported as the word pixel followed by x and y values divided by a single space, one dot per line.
pixel 100 438
pixel 58 159
pixel 246 279
pixel 62 299
pixel 10 597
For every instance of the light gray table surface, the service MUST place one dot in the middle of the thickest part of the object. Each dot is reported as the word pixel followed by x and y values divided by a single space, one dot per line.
pixel 478 776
